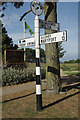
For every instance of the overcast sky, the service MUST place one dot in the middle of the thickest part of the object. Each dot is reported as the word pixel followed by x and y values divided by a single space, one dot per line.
pixel 67 16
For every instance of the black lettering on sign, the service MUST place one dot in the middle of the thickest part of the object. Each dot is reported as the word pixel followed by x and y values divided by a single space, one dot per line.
pixel 49 39
pixel 55 38
pixel 31 43
pixel 52 39
pixel 63 37
pixel 42 41
pixel 63 33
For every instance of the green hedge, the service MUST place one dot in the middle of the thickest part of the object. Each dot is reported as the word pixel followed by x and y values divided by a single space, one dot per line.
pixel 12 76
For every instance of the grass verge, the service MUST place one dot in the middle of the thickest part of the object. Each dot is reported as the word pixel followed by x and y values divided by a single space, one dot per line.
pixel 73 73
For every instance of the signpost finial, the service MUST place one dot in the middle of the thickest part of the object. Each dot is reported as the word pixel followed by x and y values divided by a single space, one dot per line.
pixel 36 7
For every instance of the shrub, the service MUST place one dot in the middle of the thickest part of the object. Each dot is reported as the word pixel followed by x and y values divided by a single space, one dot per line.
pixel 12 76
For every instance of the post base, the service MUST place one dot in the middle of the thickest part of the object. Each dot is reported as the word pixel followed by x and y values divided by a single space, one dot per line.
pixel 39 102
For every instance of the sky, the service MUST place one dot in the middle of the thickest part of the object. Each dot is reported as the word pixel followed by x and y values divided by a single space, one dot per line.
pixel 67 16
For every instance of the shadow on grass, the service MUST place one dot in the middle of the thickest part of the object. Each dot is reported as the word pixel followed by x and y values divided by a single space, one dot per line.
pixel 66 88
pixel 60 100
pixel 70 79
pixel 69 87
pixel 19 97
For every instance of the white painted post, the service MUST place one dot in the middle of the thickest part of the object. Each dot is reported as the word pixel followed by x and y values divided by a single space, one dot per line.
pixel 38 72
pixel 24 46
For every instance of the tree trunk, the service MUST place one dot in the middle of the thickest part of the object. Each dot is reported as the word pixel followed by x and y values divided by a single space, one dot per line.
pixel 53 84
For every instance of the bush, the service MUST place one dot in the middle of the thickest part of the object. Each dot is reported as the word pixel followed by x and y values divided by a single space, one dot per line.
pixel 13 76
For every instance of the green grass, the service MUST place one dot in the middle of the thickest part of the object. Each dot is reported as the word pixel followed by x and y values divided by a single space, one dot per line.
pixel 25 107
pixel 73 73
pixel 70 66
pixel 33 65
pixel 65 67
pixel 30 112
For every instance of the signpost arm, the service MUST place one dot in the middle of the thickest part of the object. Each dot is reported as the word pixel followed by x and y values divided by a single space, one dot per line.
pixel 38 76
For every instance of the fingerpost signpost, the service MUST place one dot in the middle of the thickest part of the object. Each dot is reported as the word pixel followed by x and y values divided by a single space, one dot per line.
pixel 37 9
pixel 37 47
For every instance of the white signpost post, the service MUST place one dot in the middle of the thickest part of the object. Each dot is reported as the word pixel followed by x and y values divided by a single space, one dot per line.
pixel 43 39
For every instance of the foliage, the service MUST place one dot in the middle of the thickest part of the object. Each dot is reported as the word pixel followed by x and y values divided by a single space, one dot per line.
pixel 15 4
pixel 61 50
pixel 73 61
pixel 12 76
pixel 30 55
pixel 7 42
pixel 70 66
pixel 42 55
